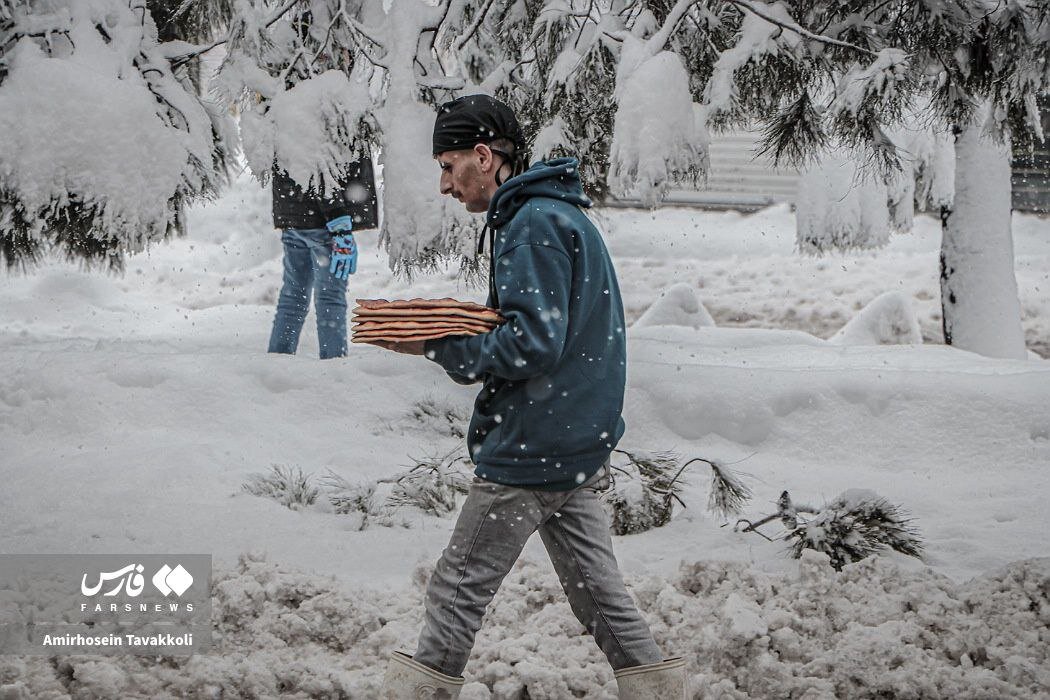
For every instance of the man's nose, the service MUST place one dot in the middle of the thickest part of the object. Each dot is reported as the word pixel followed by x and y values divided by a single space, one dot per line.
pixel 446 183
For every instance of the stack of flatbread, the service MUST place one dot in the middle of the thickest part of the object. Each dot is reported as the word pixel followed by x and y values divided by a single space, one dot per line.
pixel 408 320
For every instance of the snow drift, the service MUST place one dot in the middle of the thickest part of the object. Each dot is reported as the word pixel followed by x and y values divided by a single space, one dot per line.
pixel 872 630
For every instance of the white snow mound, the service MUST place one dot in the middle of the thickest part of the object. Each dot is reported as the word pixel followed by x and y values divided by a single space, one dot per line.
pixel 887 320
pixel 678 305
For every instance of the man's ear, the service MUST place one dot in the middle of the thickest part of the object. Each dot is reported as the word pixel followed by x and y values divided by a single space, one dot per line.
pixel 485 159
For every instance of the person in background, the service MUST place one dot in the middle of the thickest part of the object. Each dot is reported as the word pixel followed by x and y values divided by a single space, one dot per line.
pixel 320 254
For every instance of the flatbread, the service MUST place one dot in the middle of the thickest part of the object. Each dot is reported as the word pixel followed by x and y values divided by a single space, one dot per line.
pixel 488 315
pixel 417 325
pixel 413 331
pixel 472 320
pixel 368 338
pixel 407 320
pixel 446 302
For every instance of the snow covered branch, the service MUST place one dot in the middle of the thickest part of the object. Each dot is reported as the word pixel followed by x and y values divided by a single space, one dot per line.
pixel 658 41
pixel 196 51
pixel 759 9
pixel 110 175
pixel 582 74
pixel 479 17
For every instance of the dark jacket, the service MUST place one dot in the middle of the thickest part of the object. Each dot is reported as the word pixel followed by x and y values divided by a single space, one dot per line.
pixel 548 414
pixel 356 198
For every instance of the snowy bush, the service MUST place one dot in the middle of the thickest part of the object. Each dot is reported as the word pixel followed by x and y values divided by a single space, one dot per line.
pixel 855 525
pixel 366 503
pixel 442 417
pixel 643 492
pixel 346 497
pixel 900 191
pixel 302 130
pixel 728 493
pixel 439 416
pixel 869 95
pixel 552 141
pixel 289 487
pixel 433 484
pixel 934 167
pixel 758 45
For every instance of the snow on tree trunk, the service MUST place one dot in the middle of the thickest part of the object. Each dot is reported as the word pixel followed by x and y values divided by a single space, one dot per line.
pixel 979 299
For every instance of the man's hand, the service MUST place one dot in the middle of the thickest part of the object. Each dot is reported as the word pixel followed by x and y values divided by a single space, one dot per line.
pixel 412 347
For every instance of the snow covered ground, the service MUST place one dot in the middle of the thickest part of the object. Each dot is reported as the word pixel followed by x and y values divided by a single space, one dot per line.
pixel 133 409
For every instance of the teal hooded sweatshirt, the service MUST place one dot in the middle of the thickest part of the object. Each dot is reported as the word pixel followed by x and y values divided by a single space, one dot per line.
pixel 549 412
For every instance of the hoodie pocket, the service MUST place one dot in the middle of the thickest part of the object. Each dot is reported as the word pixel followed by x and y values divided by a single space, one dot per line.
pixel 510 440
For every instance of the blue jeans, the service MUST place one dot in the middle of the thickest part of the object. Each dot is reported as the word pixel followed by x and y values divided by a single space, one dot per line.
pixel 307 253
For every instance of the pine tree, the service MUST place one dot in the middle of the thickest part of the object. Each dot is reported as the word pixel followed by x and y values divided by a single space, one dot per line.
pixel 630 88
pixel 582 73
pixel 104 142
pixel 971 69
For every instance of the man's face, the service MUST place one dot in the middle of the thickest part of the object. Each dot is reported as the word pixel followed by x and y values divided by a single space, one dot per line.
pixel 469 175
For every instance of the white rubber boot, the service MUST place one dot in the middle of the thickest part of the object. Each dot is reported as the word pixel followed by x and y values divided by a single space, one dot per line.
pixel 660 681
pixel 407 679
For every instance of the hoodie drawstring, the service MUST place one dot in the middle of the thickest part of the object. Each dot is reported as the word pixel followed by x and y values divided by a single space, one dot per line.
pixel 491 231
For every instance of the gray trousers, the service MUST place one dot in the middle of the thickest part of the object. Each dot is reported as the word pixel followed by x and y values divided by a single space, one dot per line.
pixel 492 529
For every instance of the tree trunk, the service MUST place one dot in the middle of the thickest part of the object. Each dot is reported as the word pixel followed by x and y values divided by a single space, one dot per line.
pixel 982 312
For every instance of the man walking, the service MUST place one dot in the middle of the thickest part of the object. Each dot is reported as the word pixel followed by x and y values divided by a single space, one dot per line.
pixel 319 254
pixel 547 417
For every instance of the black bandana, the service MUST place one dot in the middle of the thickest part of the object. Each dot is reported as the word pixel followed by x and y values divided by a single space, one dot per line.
pixel 468 121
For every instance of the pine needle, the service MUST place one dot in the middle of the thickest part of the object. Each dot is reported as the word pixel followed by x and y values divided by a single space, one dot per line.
pixel 729 494
pixel 795 135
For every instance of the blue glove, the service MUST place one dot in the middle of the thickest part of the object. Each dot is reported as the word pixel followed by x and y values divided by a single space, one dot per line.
pixel 344 248
pixel 340 224
pixel 344 255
